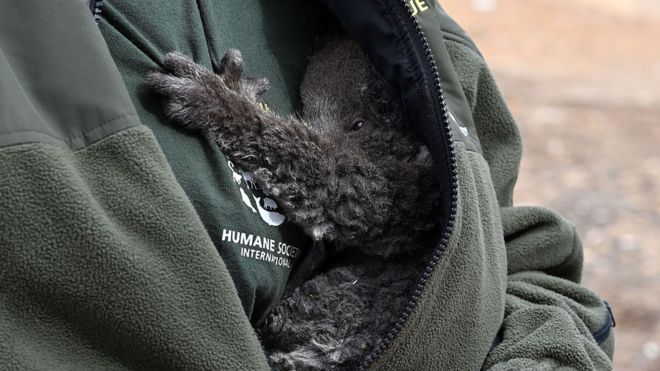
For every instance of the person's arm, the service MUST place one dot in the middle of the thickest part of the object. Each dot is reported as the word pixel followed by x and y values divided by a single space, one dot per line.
pixel 551 321
pixel 104 263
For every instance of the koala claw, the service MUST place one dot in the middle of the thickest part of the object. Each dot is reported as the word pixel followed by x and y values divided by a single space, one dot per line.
pixel 231 71
pixel 231 67
pixel 181 65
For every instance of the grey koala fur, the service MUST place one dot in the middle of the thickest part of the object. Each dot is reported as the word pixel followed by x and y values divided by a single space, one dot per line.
pixel 348 171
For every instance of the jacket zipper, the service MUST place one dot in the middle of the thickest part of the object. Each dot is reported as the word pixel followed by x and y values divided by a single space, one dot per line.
pixel 96 6
pixel 432 78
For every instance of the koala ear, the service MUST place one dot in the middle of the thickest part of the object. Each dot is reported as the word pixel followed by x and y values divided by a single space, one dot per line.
pixel 325 40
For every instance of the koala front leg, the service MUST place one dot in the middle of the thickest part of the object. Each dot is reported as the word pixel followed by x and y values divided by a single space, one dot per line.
pixel 225 106
pixel 332 193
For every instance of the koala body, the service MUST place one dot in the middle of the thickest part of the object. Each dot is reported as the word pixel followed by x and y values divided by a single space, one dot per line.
pixel 348 171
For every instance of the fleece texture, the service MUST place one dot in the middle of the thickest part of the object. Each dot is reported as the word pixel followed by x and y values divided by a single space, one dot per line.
pixel 520 265
pixel 462 304
pixel 105 265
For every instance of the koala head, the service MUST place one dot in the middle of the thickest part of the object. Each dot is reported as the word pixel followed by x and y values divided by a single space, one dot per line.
pixel 346 99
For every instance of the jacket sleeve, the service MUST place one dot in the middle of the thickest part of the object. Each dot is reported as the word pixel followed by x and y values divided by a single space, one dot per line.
pixel 551 321
pixel 104 263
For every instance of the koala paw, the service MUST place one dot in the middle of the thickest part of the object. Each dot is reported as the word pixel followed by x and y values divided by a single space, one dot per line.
pixel 194 94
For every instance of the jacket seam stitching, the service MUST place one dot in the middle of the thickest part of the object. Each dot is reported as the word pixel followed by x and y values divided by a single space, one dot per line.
pixel 460 39
pixel 72 138
pixel 104 124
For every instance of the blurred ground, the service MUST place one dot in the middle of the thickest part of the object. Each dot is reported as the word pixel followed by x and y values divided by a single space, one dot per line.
pixel 582 78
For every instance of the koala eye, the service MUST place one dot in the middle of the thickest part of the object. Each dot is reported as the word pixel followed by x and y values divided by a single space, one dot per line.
pixel 357 125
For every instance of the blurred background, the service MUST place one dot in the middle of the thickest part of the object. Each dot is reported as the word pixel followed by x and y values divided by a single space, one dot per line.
pixel 582 78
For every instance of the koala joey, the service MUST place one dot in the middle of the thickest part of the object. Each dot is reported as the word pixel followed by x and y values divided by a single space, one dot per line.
pixel 348 170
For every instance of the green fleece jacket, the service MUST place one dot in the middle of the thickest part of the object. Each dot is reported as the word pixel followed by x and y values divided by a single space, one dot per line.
pixel 126 243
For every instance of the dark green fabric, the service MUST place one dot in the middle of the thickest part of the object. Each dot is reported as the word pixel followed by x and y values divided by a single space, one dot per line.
pixel 41 77
pixel 275 39
pixel 461 308
pixel 548 319
pixel 497 131
pixel 460 118
pixel 106 264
